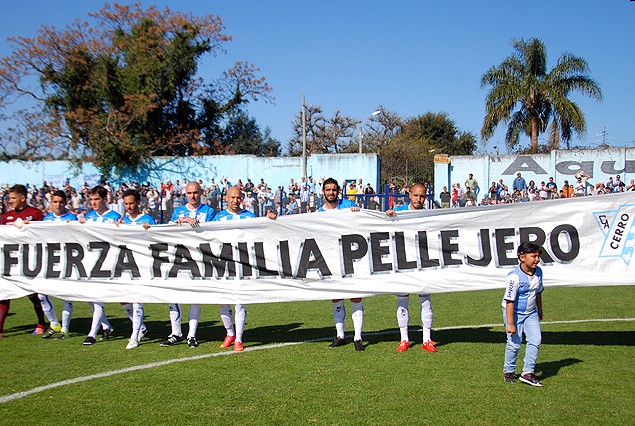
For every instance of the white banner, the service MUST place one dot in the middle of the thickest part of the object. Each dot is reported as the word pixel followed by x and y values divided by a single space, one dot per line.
pixel 336 254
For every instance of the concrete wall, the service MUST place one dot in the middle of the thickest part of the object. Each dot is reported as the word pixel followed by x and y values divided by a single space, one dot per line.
pixel 600 164
pixel 274 170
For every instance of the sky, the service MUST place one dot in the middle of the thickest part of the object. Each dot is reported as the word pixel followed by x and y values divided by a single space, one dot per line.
pixel 409 57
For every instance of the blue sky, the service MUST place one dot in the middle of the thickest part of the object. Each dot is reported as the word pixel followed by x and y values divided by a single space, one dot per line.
pixel 411 57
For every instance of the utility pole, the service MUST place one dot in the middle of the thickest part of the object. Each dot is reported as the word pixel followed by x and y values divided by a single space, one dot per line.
pixel 303 137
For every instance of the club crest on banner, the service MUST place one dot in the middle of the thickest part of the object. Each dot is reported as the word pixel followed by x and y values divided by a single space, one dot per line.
pixel 619 236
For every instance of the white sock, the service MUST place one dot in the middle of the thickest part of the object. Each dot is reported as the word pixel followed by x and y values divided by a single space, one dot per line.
pixel 358 319
pixel 426 316
pixel 67 314
pixel 105 324
pixel 403 316
pixel 226 316
pixel 175 319
pixel 339 313
pixel 98 312
pixel 129 311
pixel 49 310
pixel 241 318
pixel 137 320
pixel 193 317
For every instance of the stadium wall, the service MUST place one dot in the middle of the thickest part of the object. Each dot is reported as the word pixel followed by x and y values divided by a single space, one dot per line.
pixel 562 165
pixel 274 170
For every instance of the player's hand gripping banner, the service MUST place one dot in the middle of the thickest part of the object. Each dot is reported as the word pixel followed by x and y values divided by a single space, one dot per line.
pixel 337 254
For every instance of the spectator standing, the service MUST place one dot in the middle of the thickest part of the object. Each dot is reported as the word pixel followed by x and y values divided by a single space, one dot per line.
pixel 473 185
pixel 445 197
pixel 519 183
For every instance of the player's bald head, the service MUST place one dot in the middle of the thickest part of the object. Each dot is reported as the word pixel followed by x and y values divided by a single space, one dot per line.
pixel 234 191
pixel 193 186
pixel 418 187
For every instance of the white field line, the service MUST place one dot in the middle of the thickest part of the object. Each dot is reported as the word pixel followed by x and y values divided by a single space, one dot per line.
pixel 24 394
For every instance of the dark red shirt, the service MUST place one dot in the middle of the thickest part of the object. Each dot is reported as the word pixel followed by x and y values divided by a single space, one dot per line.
pixel 28 213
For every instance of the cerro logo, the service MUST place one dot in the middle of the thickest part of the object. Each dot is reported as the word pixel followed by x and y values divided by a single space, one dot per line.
pixel 617 226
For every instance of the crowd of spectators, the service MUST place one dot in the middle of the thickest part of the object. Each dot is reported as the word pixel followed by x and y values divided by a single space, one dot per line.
pixel 305 195
pixel 521 191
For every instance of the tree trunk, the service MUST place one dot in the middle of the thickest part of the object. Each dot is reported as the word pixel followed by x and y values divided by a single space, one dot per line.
pixel 533 146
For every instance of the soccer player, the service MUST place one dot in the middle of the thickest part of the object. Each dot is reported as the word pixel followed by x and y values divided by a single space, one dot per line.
pixel 417 201
pixel 134 216
pixel 100 213
pixel 58 213
pixel 192 213
pixel 21 213
pixel 330 191
pixel 235 211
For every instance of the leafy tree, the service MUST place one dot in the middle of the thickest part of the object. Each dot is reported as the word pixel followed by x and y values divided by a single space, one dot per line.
pixel 242 134
pixel 409 155
pixel 123 87
pixel 526 97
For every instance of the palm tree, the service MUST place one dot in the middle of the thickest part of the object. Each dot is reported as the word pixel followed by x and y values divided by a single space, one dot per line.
pixel 526 97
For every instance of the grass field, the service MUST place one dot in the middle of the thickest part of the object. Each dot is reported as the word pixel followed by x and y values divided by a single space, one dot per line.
pixel 288 376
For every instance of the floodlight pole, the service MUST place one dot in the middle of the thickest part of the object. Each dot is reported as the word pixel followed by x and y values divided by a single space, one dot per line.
pixel 361 128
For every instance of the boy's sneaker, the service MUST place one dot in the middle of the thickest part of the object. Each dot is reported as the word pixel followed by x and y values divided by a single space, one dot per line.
pixel 62 335
pixel 429 346
pixel 172 340
pixel 238 347
pixel 229 340
pixel 192 342
pixel 404 345
pixel 132 343
pixel 89 341
pixel 510 377
pixel 107 333
pixel 359 345
pixel 530 379
pixel 337 342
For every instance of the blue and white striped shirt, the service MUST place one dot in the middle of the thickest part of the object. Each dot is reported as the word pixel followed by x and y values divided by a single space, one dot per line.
pixel 203 213
pixel 522 289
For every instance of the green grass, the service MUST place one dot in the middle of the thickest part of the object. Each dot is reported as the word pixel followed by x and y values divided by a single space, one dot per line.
pixel 587 368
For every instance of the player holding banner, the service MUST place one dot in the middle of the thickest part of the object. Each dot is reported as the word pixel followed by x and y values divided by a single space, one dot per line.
pixel 21 213
pixel 134 216
pixel 100 213
pixel 192 213
pixel 417 200
pixel 235 211
pixel 59 213
pixel 330 191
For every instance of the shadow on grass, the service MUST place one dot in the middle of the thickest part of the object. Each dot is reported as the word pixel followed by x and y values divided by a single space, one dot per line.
pixel 295 332
pixel 549 369
pixel 487 335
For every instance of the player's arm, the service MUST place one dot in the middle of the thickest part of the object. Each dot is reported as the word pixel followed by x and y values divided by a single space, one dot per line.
pixel 541 314
pixel 509 313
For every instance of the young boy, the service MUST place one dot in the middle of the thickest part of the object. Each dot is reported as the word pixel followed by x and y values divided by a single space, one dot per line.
pixel 522 312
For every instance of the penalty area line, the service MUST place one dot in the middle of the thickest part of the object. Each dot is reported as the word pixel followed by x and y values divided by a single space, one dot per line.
pixel 24 394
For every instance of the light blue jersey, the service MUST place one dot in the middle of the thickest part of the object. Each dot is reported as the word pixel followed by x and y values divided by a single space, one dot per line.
pixel 522 289
pixel 110 216
pixel 402 207
pixel 141 219
pixel 203 213
pixel 52 217
pixel 341 204
pixel 227 215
